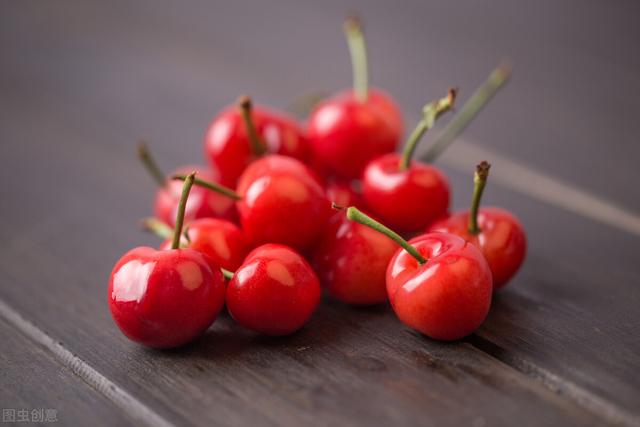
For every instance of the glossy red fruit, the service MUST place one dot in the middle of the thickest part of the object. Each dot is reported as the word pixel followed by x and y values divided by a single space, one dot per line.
pixel 344 193
pixel 408 195
pixel 164 299
pixel 351 261
pixel 346 133
pixel 228 145
pixel 274 292
pixel 202 203
pixel 501 240
pixel 447 297
pixel 223 241
pixel 281 202
pixel 407 200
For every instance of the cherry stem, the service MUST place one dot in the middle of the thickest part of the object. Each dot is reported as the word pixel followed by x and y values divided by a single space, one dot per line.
pixel 186 188
pixel 358 51
pixel 258 146
pixel 498 78
pixel 430 113
pixel 218 188
pixel 150 164
pixel 479 182
pixel 227 274
pixel 157 227
pixel 353 214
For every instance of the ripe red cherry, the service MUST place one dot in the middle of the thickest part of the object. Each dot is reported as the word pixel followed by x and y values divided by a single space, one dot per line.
pixel 437 283
pixel 274 292
pixel 201 204
pixel 344 193
pixel 351 261
pixel 164 299
pixel 240 134
pixel 355 126
pixel 496 232
pixel 404 194
pixel 223 241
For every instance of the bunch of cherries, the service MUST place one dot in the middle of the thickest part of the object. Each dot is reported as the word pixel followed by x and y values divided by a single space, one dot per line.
pixel 280 212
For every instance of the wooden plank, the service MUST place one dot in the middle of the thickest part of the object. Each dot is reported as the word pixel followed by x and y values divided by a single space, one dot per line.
pixel 77 102
pixel 34 382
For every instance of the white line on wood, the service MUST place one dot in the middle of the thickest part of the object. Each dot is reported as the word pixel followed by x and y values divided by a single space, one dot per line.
pixel 135 409
pixel 463 156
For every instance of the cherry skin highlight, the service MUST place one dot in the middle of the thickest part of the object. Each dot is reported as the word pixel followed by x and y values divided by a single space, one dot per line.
pixel 222 241
pixel 448 296
pixel 407 200
pixel 228 146
pixel 201 204
pixel 274 292
pixel 501 240
pixel 346 133
pixel 281 202
pixel 164 299
pixel 351 261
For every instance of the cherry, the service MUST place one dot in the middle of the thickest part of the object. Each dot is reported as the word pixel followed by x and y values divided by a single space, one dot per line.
pixel 274 291
pixel 437 283
pixel 242 133
pixel 164 299
pixel 355 126
pixel 201 204
pixel 223 241
pixel 409 195
pixel 279 201
pixel 496 232
pixel 351 261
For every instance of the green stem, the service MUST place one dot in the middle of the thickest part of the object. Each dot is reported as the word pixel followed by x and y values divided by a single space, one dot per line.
pixel 430 113
pixel 358 51
pixel 258 146
pixel 157 227
pixel 498 78
pixel 186 188
pixel 479 182
pixel 218 188
pixel 150 164
pixel 353 214
pixel 227 274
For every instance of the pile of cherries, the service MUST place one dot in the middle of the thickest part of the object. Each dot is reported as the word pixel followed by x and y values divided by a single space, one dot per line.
pixel 279 214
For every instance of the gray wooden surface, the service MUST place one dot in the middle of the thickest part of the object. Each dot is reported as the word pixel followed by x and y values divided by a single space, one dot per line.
pixel 81 81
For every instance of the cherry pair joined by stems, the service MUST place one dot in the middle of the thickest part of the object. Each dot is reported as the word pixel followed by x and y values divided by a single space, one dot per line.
pixel 409 195
pixel 496 232
pixel 166 298
pixel 243 133
pixel 437 283
pixel 201 203
pixel 355 126
pixel 279 201
pixel 223 241
pixel 274 291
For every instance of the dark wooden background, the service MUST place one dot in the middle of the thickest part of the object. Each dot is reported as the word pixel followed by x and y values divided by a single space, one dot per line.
pixel 81 81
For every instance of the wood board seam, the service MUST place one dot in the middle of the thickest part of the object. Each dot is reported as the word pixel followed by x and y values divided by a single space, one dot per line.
pixel 122 399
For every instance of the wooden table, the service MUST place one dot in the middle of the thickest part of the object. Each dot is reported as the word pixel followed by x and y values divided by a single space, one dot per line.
pixel 80 82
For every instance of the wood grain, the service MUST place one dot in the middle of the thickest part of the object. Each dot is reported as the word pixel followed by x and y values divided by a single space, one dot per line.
pixel 83 81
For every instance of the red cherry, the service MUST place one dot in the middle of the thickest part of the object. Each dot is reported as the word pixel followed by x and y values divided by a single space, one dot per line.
pixel 240 134
pixel 448 296
pixel 223 241
pixel 409 195
pixel 165 299
pixel 351 261
pixel 344 193
pixel 437 283
pixel 282 202
pixel 355 126
pixel 201 203
pixel 274 292
pixel 496 232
